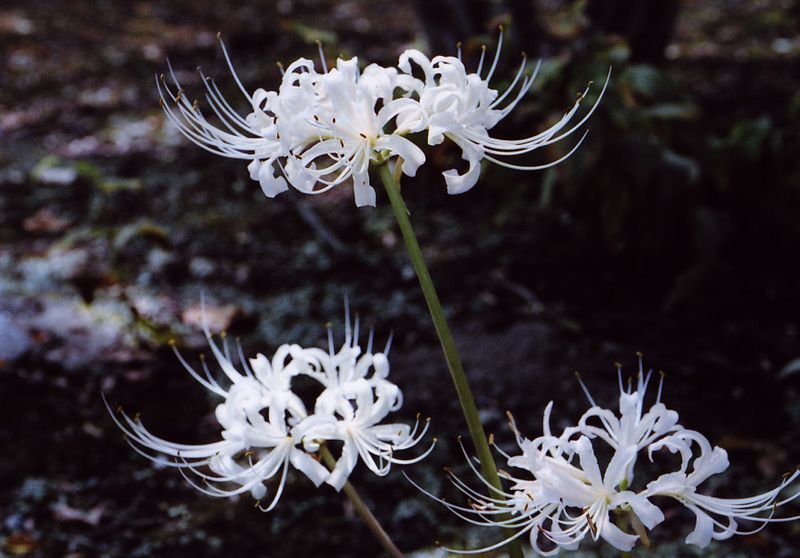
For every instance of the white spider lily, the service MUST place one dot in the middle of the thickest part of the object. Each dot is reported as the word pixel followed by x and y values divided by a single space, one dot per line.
pixel 352 406
pixel 265 427
pixel 682 486
pixel 252 449
pixel 323 129
pixel 349 133
pixel 364 436
pixel 317 131
pixel 463 107
pixel 346 373
pixel 631 429
pixel 567 496
pixel 567 499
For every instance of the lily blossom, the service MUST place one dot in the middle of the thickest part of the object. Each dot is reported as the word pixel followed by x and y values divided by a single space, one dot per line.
pixel 266 428
pixel 683 484
pixel 462 107
pixel 563 494
pixel 319 130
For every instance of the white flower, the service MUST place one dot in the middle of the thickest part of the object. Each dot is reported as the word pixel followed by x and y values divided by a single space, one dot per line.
pixel 682 486
pixel 252 449
pixel 317 131
pixel 566 500
pixel 323 129
pixel 463 107
pixel 565 495
pixel 356 398
pixel 265 426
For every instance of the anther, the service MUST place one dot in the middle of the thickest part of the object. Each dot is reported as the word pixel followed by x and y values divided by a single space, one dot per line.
pixel 491 439
pixel 137 417
pixel 219 35
pixel 639 354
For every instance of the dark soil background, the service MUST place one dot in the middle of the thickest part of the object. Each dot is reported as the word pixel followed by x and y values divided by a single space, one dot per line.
pixel 673 231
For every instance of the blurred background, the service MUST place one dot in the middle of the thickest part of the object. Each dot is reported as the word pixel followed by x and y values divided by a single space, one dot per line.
pixel 673 231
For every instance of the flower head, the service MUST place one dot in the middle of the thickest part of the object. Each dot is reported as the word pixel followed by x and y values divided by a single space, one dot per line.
pixel 324 128
pixel 265 427
pixel 462 107
pixel 559 494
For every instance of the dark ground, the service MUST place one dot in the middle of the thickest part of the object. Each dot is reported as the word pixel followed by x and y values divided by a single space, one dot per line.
pixel 674 232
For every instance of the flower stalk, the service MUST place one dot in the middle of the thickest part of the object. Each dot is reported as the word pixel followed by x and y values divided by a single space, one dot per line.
pixel 392 184
pixel 361 507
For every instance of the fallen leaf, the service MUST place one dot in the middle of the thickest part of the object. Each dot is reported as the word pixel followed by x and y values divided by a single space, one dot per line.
pixel 217 318
pixel 45 220
pixel 64 512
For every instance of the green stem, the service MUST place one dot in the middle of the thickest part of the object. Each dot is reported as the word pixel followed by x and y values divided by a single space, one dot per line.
pixel 465 397
pixel 362 508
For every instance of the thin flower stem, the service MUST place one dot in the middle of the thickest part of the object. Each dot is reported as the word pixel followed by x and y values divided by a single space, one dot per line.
pixel 392 185
pixel 362 508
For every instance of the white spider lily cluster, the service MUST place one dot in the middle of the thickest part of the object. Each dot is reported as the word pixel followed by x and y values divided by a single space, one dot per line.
pixel 565 496
pixel 324 128
pixel 266 427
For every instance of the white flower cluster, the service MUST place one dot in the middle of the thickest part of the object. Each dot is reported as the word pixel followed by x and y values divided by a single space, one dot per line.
pixel 565 496
pixel 266 427
pixel 321 129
